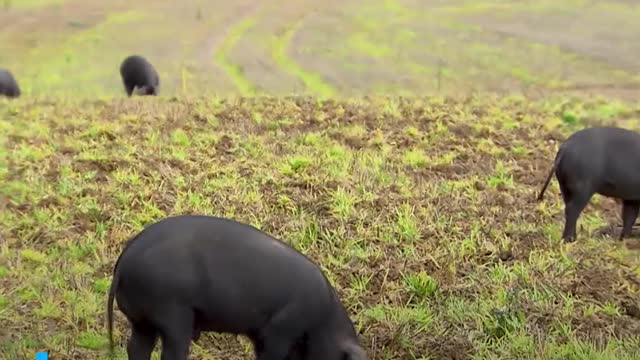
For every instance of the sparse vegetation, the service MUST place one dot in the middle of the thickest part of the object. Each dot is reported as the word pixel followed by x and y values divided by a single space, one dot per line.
pixel 435 259
pixel 352 47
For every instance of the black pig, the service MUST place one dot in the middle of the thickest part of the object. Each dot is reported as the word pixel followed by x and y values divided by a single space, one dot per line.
pixel 8 84
pixel 602 160
pixel 192 273
pixel 139 76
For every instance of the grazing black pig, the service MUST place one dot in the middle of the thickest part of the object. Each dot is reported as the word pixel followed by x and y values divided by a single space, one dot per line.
pixel 8 84
pixel 603 160
pixel 139 76
pixel 191 273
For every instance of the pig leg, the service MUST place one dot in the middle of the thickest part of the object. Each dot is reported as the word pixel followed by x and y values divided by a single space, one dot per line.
pixel 281 333
pixel 176 332
pixel 142 341
pixel 319 351
pixel 629 215
pixel 258 345
pixel 129 88
pixel 575 202
pixel 294 352
pixel 323 345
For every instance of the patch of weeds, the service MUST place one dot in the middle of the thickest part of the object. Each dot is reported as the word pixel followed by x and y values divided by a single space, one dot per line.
pixel 337 161
pixel 295 164
pixel 4 271
pixel 610 109
pixel 342 203
pixel 569 117
pixel 257 117
pixel 33 256
pixel 415 158
pixel 420 285
pixel 412 315
pixel 501 322
pixel 179 137
pixel 311 139
pixel 91 340
pixel 406 223
pixel 101 285
pixel 280 123
pixel 309 235
pixel 502 177
pixel 412 131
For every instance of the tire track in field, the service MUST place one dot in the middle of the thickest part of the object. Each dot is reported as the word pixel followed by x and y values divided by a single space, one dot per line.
pixel 233 70
pixel 221 56
pixel 293 17
pixel 312 81
pixel 280 45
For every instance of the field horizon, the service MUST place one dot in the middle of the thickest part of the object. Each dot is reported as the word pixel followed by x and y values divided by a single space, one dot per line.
pixel 330 49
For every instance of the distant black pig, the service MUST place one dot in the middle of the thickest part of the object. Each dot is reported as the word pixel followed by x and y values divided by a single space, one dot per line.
pixel 603 160
pixel 191 273
pixel 8 84
pixel 139 76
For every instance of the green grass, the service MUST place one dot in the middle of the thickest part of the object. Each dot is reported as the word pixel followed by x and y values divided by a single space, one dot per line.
pixel 425 224
pixel 29 4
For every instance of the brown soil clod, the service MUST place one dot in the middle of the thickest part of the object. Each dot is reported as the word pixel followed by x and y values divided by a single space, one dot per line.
pixel 631 308
pixel 225 144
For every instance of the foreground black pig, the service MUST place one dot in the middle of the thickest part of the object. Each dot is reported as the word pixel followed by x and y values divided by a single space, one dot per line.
pixel 603 160
pixel 139 75
pixel 8 84
pixel 192 273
